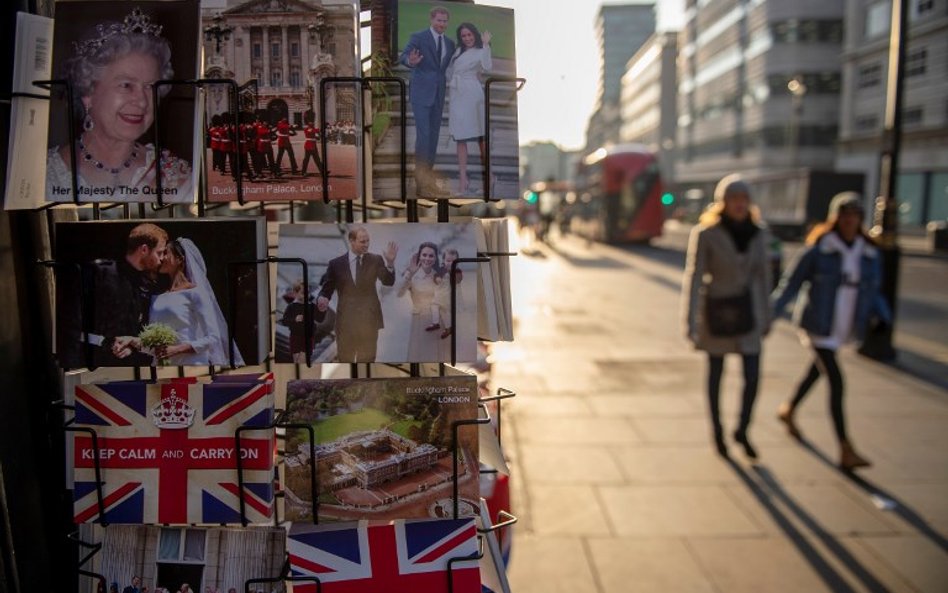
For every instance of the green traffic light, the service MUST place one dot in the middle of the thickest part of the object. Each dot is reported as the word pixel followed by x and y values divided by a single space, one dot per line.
pixel 668 199
pixel 532 197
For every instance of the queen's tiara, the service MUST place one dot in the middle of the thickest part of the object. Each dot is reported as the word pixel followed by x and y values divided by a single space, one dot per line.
pixel 135 22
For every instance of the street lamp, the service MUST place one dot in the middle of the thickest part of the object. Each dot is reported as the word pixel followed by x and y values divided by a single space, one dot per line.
pixel 878 344
pixel 797 91
pixel 217 32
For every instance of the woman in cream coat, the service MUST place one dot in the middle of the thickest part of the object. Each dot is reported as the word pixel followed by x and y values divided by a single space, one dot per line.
pixel 466 94
pixel 727 253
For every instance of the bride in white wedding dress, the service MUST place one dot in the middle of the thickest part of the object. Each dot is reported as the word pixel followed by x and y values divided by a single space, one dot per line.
pixel 190 308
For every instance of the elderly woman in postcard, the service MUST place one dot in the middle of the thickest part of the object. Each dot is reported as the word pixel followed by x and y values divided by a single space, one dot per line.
pixel 111 74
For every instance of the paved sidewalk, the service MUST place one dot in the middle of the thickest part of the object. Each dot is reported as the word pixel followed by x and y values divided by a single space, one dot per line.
pixel 615 482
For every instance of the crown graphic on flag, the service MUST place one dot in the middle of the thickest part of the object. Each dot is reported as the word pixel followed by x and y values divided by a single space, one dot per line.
pixel 172 412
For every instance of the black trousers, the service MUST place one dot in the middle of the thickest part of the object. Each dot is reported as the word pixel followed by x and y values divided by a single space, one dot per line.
pixel 751 366
pixel 824 362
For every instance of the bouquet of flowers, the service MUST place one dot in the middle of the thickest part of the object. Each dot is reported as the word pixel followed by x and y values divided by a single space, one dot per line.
pixel 158 335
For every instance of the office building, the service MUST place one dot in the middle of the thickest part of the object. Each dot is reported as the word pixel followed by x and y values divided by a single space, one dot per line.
pixel 759 88
pixel 649 99
pixel 621 29
pixel 922 183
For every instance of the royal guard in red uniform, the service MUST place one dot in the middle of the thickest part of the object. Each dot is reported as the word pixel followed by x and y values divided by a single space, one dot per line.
pixel 214 136
pixel 225 142
pixel 241 148
pixel 265 146
pixel 284 131
pixel 311 133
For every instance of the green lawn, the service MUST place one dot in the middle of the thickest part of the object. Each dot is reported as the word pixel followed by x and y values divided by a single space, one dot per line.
pixel 401 427
pixel 334 427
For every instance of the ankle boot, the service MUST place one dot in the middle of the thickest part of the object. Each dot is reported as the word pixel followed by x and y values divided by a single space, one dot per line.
pixel 719 443
pixel 740 436
pixel 849 459
pixel 785 415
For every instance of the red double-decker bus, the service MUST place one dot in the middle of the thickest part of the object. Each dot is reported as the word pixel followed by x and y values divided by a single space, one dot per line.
pixel 619 196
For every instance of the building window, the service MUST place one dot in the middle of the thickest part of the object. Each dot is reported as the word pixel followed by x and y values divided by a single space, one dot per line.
pixel 912 116
pixel 869 75
pixel 294 49
pixel 274 49
pixel 257 51
pixel 878 17
pixel 809 31
pixel 921 8
pixel 181 545
pixel 276 78
pixel 867 123
pixel 915 62
pixel 295 79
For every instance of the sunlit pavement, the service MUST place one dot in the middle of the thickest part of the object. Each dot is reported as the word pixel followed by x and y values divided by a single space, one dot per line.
pixel 614 479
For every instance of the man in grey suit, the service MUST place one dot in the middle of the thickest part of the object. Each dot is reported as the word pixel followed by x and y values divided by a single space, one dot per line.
pixel 428 54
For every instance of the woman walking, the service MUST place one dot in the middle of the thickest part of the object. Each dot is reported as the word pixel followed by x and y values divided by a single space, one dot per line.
pixel 841 272
pixel 726 287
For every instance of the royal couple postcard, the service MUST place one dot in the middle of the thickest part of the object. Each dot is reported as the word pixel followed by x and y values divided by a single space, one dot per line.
pixel 458 61
pixel 378 292
pixel 161 292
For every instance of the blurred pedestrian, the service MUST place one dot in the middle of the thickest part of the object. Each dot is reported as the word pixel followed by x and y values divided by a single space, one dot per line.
pixel 726 287
pixel 841 274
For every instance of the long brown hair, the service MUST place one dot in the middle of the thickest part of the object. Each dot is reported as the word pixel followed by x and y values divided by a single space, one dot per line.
pixel 826 227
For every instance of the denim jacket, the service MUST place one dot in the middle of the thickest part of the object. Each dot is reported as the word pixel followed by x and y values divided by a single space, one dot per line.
pixel 820 268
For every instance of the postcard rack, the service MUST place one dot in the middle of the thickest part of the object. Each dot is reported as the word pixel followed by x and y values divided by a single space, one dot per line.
pixel 345 213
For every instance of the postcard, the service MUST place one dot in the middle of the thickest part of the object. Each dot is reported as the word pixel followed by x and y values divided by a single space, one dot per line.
pixel 167 452
pixel 396 306
pixel 162 559
pixel 384 448
pixel 271 131
pixel 377 557
pixel 161 292
pixel 29 118
pixel 447 53
pixel 111 53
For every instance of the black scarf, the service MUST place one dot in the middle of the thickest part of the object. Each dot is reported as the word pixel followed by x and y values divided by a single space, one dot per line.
pixel 741 231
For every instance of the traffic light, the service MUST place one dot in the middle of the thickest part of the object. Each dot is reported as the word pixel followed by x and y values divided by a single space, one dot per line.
pixel 668 199
pixel 531 197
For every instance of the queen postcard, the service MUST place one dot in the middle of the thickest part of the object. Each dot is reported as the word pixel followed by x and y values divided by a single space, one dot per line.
pixel 114 56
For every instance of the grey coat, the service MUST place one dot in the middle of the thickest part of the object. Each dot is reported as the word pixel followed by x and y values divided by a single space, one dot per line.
pixel 715 267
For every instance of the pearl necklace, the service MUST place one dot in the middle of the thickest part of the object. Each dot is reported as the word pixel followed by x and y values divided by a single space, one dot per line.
pixel 87 156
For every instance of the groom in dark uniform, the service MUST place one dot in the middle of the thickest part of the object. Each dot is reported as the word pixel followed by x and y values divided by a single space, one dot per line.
pixel 359 312
pixel 117 296
pixel 428 54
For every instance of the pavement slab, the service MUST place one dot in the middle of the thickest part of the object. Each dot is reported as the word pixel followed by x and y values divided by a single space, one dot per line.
pixel 566 510
pixel 570 570
pixel 661 511
pixel 641 565
pixel 570 465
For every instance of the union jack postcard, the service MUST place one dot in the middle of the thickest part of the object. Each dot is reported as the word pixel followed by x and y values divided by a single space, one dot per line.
pixel 373 557
pixel 384 448
pixel 168 454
